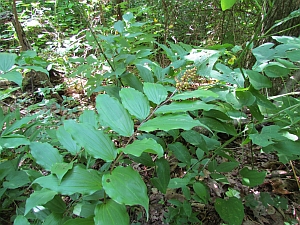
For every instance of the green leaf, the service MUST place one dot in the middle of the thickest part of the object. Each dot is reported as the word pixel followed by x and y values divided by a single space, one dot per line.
pixel 170 122
pixel 13 142
pixel 14 76
pixel 163 175
pixel 60 169
pixel 114 115
pixel 119 26
pixel 226 166
pixel 252 178
pixel 178 182
pixel 67 141
pixel 16 179
pixel 125 186
pixel 89 117
pixel 78 180
pixel 245 98
pixel 200 93
pixel 257 80
pixel 145 145
pixel 45 155
pixel 18 124
pixel 39 198
pixel 227 4
pixel 144 159
pixel 84 209
pixel 145 73
pixel 268 135
pixel 276 71
pixel 135 102
pixel 7 61
pixel 185 106
pixel 216 125
pixel 156 93
pixel 255 112
pixel 80 221
pixel 111 213
pixel 193 137
pixel 95 142
pixel 133 81
pixel 181 152
pixel 294 55
pixel 53 219
pixel 231 210
pixel 21 220
pixel 202 191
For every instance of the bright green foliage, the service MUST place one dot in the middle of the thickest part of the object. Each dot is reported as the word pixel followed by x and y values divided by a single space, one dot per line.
pixel 123 192
pixel 163 175
pixel 114 115
pixel 111 212
pixel 252 178
pixel 145 145
pixel 39 198
pixel 230 210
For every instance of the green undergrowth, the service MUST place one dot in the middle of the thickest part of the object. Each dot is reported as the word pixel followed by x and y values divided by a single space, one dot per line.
pixel 79 171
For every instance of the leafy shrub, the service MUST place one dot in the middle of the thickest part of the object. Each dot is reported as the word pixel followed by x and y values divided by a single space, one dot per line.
pixel 145 112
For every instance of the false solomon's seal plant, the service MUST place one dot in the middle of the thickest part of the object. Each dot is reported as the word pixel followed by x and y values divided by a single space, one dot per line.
pixel 140 114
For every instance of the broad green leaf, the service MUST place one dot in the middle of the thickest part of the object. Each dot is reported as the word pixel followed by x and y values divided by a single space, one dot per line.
pixel 14 76
pixel 45 155
pixel 156 93
pixel 60 169
pixel 245 98
pixel 180 152
pixel 16 179
pixel 144 159
pixel 7 61
pixel 227 4
pixel 114 115
pixel 145 73
pixel 268 135
pixel 111 213
pixel 84 209
pixel 255 112
pixel 54 219
pixel 216 125
pixel 202 191
pixel 170 122
pixel 133 81
pixel 135 102
pixel 56 205
pixel 276 71
pixel 14 141
pixel 200 93
pixel 185 106
pixel 89 117
pixel 67 141
pixel 294 55
pixel 119 26
pixel 38 69
pixel 252 178
pixel 125 186
pixel 18 124
pixel 178 182
pixel 95 142
pixel 226 167
pixel 257 80
pixel 21 220
pixel 127 17
pixel 231 210
pixel 80 221
pixel 193 137
pixel 78 180
pixel 187 207
pixel 145 145
pixel 163 175
pixel 39 198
